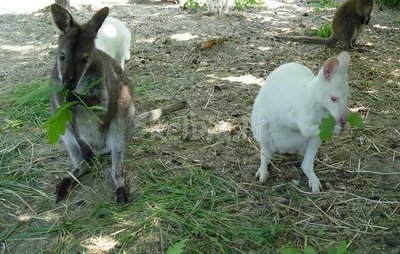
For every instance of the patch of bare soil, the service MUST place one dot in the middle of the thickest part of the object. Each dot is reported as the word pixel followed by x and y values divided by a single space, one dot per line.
pixel 171 62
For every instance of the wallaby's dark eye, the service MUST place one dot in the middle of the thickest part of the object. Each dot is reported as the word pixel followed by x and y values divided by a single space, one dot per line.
pixel 84 59
pixel 62 56
pixel 334 98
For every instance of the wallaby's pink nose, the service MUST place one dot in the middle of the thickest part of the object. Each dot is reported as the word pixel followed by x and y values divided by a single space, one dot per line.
pixel 343 119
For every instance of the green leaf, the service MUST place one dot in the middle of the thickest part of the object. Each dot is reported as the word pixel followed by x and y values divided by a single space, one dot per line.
pixel 177 248
pixel 355 120
pixel 290 250
pixel 326 128
pixel 331 251
pixel 309 250
pixel 56 124
pixel 342 248
pixel 40 93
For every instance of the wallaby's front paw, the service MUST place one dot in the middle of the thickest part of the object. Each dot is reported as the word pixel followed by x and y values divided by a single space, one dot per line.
pixel 338 129
pixel 262 174
pixel 2 248
pixel 314 184
pixel 72 97
pixel 63 188
pixel 87 153
pixel 310 131
pixel 122 196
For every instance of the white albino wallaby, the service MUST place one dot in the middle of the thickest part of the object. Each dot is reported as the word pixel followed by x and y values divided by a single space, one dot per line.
pixel 97 79
pixel 290 106
pixel 114 38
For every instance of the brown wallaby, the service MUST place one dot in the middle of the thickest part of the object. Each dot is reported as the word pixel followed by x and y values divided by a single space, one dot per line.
pixel 64 3
pixel 347 24
pixel 96 79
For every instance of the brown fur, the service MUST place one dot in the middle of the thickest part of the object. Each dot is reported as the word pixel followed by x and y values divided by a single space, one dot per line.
pixel 347 24
pixel 77 67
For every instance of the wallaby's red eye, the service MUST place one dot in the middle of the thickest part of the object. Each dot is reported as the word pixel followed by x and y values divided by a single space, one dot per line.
pixel 334 98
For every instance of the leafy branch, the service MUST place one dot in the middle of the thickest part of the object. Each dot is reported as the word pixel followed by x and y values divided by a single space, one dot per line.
pixel 328 124
pixel 40 94
pixel 56 124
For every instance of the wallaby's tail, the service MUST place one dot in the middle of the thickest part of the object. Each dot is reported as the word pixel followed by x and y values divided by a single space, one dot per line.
pixel 317 40
pixel 155 114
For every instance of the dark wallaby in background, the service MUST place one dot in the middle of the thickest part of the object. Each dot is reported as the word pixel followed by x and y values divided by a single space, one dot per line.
pixel 349 21
pixel 64 3
pixel 97 80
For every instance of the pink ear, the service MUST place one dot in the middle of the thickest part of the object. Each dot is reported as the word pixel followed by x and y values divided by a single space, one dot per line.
pixel 330 67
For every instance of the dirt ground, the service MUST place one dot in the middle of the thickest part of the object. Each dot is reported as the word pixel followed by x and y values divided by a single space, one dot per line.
pixel 361 192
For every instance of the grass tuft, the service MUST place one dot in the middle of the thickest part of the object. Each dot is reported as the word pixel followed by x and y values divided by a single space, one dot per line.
pixel 143 88
pixel 325 30
pixel 193 205
pixel 17 112
pixel 196 205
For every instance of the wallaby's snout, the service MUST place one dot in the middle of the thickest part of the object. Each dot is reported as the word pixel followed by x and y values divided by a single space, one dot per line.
pixel 343 119
pixel 66 71
pixel 72 67
pixel 69 82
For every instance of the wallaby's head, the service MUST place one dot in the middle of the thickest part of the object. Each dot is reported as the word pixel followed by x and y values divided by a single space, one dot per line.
pixel 333 90
pixel 76 44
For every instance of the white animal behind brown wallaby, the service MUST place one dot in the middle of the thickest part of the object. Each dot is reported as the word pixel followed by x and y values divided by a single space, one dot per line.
pixel 290 106
pixel 98 80
pixel 114 38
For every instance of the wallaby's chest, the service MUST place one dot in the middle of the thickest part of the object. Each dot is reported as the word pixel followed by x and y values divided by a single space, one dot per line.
pixel 92 129
pixel 281 134
pixel 287 140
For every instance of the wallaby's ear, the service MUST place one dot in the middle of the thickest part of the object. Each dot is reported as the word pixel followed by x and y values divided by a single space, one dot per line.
pixel 330 67
pixel 62 20
pixel 344 60
pixel 94 24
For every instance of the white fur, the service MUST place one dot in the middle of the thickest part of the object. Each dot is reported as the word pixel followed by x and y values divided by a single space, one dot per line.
pixel 289 108
pixel 217 6
pixel 114 38
pixel 59 70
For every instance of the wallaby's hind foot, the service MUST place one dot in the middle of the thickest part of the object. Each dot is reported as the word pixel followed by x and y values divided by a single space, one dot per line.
pixel 63 189
pixel 122 196
pixel 262 174
pixel 314 184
